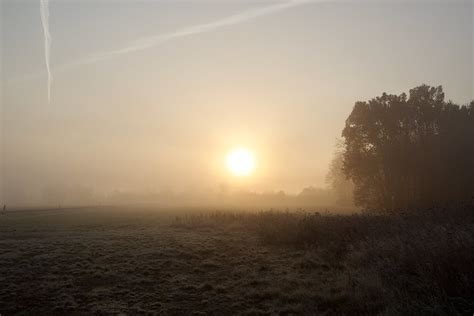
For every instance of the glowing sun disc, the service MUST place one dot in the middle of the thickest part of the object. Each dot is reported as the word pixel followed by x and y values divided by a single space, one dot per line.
pixel 240 162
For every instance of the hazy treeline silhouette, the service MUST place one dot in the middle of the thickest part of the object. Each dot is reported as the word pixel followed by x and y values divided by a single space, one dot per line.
pixel 341 188
pixel 406 152
pixel 309 197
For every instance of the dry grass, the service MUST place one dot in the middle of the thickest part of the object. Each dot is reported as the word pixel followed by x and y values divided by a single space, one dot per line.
pixel 111 261
pixel 411 263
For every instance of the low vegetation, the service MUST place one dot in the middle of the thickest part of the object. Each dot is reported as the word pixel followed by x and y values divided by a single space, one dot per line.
pixel 149 261
pixel 395 264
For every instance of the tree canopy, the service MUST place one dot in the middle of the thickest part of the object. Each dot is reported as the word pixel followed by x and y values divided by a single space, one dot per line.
pixel 407 152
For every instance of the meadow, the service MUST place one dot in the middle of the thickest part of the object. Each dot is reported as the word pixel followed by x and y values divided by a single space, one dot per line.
pixel 141 260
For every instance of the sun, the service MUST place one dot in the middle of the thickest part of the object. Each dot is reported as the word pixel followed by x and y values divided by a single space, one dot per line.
pixel 241 162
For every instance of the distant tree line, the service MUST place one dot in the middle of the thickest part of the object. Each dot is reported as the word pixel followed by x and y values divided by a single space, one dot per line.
pixel 341 188
pixel 409 152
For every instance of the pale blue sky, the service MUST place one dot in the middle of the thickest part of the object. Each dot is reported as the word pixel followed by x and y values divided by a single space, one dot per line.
pixel 281 84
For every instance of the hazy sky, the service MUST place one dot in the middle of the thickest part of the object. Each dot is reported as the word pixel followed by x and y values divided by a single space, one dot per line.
pixel 164 116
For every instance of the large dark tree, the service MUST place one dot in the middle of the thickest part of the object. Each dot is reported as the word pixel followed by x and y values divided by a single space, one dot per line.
pixel 410 152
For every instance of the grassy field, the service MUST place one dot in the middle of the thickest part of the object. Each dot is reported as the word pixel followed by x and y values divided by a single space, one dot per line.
pixel 133 261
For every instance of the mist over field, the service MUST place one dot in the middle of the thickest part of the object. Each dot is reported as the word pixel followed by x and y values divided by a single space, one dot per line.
pixel 150 97
pixel 293 157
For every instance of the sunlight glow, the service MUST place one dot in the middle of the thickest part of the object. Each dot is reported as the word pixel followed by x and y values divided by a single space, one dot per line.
pixel 241 162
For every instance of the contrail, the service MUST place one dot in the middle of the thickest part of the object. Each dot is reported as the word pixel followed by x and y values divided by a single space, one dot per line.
pixel 157 40
pixel 44 10
pixel 152 41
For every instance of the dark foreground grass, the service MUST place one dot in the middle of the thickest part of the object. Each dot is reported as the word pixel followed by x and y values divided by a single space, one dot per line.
pixel 116 261
pixel 395 264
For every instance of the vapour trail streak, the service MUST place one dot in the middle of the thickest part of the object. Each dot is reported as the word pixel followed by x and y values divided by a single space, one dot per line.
pixel 157 40
pixel 44 10
pixel 152 41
